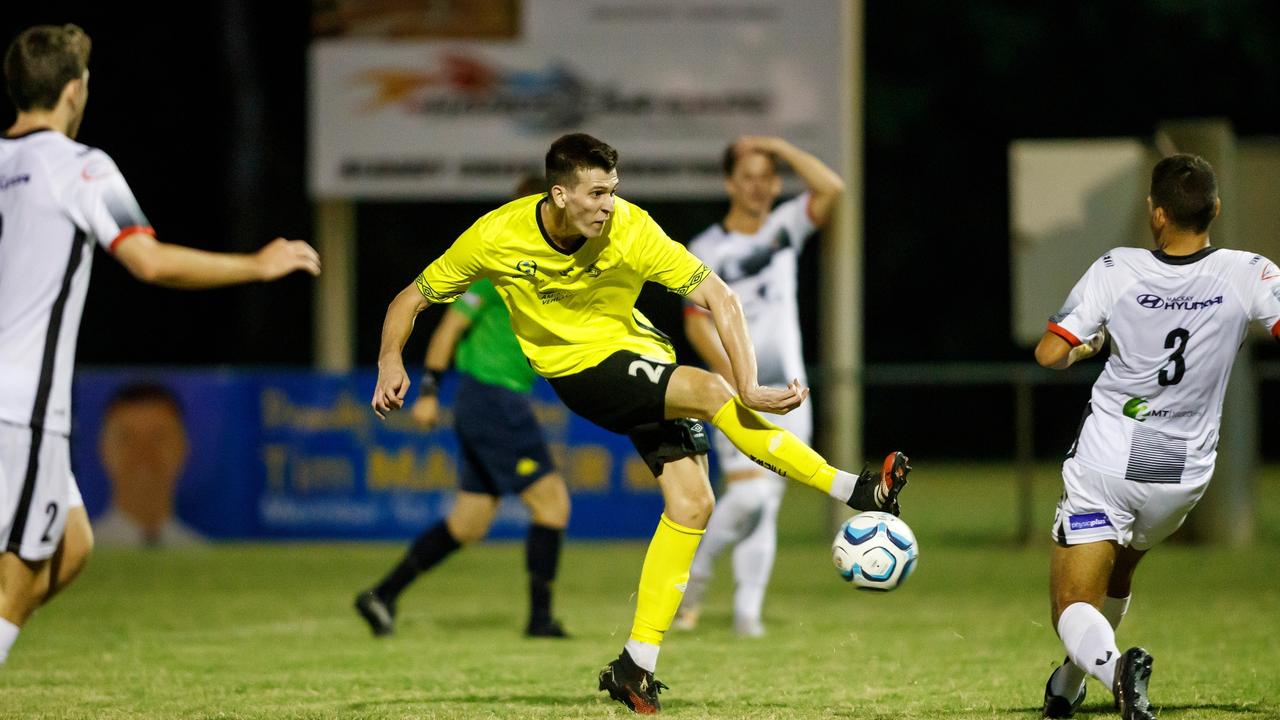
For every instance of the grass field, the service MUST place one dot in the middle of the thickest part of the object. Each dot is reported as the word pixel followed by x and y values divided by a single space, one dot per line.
pixel 266 631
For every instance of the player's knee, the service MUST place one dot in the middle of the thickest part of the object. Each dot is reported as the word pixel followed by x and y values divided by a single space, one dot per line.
pixel 692 508
pixel 718 391
pixel 551 509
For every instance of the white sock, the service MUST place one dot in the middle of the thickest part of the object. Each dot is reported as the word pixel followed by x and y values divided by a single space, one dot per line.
pixel 842 485
pixel 1090 641
pixel 1068 680
pixel 8 634
pixel 735 515
pixel 643 654
pixel 753 557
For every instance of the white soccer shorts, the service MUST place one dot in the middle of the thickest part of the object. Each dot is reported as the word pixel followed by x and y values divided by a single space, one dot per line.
pixel 1096 507
pixel 53 491
pixel 732 460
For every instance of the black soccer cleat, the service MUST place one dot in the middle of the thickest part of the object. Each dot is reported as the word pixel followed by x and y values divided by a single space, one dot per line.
pixel 380 614
pixel 879 490
pixel 547 628
pixel 1133 674
pixel 1056 706
pixel 632 685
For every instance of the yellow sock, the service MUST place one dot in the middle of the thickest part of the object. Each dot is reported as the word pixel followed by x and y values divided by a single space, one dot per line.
pixel 663 579
pixel 772 447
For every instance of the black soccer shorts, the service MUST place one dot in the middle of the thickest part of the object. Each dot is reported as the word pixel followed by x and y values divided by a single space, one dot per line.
pixel 626 394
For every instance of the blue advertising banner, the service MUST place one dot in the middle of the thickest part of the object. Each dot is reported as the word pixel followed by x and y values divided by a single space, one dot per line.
pixel 301 455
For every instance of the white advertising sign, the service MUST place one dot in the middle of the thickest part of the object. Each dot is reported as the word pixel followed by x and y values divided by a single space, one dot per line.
pixel 667 83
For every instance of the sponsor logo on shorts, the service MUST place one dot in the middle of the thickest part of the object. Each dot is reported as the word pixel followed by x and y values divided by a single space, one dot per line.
pixel 1180 302
pixel 1139 409
pixel 1089 520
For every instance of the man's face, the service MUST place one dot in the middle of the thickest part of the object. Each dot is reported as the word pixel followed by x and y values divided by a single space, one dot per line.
pixel 588 203
pixel 144 447
pixel 754 184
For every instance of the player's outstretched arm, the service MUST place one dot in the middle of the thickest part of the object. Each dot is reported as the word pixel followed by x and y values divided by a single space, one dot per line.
pixel 823 184
pixel 393 381
pixel 178 266
pixel 440 350
pixel 700 329
pixel 726 311
pixel 1056 353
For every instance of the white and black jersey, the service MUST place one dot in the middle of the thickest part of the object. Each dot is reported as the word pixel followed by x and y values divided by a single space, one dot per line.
pixel 57 197
pixel 1175 324
pixel 761 269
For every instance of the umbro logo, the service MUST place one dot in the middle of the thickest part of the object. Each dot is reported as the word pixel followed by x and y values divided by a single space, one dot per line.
pixel 1103 661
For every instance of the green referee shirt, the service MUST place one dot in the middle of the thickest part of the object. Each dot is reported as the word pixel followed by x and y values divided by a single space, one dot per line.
pixel 489 351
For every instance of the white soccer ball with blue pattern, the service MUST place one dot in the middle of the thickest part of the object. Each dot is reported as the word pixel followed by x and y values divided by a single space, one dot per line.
pixel 875 551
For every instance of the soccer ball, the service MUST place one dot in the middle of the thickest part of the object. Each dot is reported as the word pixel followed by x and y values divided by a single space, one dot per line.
pixel 875 551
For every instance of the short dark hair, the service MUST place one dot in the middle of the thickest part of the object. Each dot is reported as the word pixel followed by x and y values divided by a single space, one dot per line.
pixel 731 156
pixel 578 151
pixel 140 392
pixel 1184 185
pixel 41 61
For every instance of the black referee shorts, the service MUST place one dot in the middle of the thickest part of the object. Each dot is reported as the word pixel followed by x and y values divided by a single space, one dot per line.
pixel 626 394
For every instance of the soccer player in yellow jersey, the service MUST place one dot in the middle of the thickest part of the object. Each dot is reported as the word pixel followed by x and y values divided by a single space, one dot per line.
pixel 569 265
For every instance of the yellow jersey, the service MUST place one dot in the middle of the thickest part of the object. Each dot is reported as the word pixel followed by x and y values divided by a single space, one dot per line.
pixel 571 308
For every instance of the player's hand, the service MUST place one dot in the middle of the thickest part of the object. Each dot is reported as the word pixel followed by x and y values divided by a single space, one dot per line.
pixel 778 401
pixel 388 394
pixel 426 411
pixel 1089 347
pixel 281 257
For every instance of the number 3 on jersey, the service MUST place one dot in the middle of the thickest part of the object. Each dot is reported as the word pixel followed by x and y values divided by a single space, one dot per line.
pixel 1176 340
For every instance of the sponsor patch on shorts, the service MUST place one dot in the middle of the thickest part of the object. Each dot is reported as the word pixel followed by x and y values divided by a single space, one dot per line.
pixel 1091 520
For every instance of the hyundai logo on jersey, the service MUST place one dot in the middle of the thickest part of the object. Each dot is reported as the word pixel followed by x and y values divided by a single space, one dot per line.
pixel 1090 520
pixel 1182 302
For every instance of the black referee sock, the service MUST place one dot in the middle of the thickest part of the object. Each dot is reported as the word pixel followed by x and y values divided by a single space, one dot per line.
pixel 426 552
pixel 542 557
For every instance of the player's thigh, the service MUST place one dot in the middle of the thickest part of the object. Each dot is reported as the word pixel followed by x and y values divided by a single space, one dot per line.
pixel 694 392
pixel 1080 573
pixel 35 482
pixel 471 515
pixel 686 491
pixel 548 501
pixel 73 552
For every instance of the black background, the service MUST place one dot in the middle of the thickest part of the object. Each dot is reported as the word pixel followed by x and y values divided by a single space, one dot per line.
pixel 203 106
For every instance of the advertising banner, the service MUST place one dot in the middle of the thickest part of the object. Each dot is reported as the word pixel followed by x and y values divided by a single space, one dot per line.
pixel 301 455
pixel 454 113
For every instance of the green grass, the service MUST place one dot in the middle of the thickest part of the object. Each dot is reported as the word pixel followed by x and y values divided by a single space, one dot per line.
pixel 266 631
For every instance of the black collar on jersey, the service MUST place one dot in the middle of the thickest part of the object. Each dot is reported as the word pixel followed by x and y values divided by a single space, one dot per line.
pixel 577 244
pixel 1196 256
pixel 28 133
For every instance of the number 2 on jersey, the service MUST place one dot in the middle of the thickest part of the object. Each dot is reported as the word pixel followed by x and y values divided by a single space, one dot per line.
pixel 1177 341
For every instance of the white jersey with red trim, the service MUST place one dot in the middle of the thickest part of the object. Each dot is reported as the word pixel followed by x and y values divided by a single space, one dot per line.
pixel 761 269
pixel 56 197
pixel 1175 324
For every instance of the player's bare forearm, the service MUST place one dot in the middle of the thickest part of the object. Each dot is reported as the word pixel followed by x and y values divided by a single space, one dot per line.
pixel 731 328
pixel 701 331
pixel 393 382
pixel 178 266
pixel 444 341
